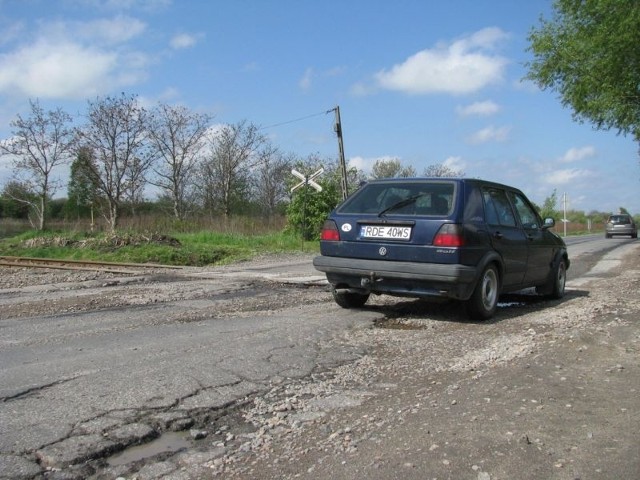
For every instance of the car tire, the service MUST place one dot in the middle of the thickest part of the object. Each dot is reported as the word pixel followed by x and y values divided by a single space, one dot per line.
pixel 483 302
pixel 558 281
pixel 349 299
pixel 606 235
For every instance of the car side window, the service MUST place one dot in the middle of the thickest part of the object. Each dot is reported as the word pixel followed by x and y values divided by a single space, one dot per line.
pixel 497 208
pixel 528 216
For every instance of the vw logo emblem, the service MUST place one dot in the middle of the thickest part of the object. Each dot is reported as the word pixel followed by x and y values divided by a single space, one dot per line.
pixel 382 251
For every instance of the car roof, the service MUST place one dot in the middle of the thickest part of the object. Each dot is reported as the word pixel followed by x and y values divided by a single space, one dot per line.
pixel 459 180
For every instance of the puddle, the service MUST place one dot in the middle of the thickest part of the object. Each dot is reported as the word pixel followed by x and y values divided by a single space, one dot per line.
pixel 169 442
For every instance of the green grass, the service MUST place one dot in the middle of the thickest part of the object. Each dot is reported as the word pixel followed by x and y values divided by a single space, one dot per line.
pixel 195 249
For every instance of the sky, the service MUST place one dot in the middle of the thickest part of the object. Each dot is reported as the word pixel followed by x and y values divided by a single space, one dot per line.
pixel 422 81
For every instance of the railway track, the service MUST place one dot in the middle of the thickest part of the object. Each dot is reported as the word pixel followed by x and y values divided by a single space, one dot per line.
pixel 113 267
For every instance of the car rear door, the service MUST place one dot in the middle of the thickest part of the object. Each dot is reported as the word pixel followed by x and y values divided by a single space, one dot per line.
pixel 507 237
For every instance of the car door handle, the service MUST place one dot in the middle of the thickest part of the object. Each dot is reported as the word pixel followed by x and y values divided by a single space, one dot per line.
pixel 498 235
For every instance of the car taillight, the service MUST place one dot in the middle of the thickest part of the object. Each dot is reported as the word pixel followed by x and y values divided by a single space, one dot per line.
pixel 330 231
pixel 449 235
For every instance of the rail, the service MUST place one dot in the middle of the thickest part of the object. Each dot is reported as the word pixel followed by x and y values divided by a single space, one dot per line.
pixel 62 264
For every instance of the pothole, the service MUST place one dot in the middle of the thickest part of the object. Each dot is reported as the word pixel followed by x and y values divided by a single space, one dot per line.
pixel 168 442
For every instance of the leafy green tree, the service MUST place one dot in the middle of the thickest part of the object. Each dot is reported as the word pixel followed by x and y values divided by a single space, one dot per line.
pixel 308 209
pixel 17 200
pixel 82 192
pixel 588 53
pixel 549 206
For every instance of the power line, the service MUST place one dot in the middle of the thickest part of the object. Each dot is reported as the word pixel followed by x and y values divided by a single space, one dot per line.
pixel 297 119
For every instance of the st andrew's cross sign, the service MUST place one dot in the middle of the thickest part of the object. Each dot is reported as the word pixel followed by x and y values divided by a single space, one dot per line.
pixel 307 180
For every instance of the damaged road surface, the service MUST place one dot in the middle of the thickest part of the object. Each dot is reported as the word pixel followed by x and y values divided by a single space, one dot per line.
pixel 243 372
pixel 93 366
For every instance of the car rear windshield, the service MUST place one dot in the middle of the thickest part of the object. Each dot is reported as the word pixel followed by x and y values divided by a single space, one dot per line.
pixel 619 219
pixel 434 198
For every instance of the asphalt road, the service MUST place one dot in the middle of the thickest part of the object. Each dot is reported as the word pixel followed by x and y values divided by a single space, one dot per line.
pixel 134 358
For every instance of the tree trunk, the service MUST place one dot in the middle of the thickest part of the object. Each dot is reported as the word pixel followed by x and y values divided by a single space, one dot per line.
pixel 43 205
pixel 113 217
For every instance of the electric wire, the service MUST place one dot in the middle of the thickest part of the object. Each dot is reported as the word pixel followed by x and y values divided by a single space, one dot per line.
pixel 298 119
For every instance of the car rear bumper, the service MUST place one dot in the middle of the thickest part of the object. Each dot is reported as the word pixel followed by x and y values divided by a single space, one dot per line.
pixel 399 278
pixel 622 231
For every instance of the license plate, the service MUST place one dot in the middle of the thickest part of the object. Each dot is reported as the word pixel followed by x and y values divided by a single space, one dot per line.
pixel 385 231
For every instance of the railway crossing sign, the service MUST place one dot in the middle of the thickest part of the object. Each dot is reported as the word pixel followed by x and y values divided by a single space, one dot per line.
pixel 307 180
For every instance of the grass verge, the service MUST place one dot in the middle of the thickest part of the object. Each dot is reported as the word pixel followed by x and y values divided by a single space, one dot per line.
pixel 189 249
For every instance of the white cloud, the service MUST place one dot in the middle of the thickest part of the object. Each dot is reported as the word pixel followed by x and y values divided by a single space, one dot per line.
pixel 483 109
pixel 464 66
pixel 490 134
pixel 366 164
pixel 63 70
pixel 361 163
pixel 75 60
pixel 183 40
pixel 577 154
pixel 455 163
pixel 562 177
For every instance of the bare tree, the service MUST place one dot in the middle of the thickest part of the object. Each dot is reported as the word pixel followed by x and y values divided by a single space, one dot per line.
pixel 391 168
pixel 177 137
pixel 270 178
pixel 224 174
pixel 442 170
pixel 40 143
pixel 116 135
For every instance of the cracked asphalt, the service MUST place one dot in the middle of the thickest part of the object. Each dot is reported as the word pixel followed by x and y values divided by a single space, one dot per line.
pixel 255 373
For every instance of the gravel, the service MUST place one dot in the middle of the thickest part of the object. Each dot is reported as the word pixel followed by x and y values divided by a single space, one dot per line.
pixel 544 390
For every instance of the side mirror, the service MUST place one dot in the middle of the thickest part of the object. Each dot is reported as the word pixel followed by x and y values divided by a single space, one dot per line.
pixel 549 222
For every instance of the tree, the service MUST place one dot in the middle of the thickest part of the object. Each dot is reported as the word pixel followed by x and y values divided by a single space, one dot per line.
pixel 82 193
pixel 224 173
pixel 116 136
pixel 549 206
pixel 391 168
pixel 588 53
pixel 442 170
pixel 40 143
pixel 177 138
pixel 269 176
pixel 308 209
pixel 17 200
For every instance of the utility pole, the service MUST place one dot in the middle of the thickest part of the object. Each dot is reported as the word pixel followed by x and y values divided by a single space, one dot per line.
pixel 564 219
pixel 343 165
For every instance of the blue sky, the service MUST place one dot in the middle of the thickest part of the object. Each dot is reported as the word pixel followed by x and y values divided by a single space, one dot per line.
pixel 423 81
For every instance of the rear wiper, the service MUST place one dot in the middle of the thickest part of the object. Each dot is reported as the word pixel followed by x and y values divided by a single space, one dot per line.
pixel 402 203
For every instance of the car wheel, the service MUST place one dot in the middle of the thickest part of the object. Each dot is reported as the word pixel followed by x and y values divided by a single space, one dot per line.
pixel 349 299
pixel 606 235
pixel 484 300
pixel 559 280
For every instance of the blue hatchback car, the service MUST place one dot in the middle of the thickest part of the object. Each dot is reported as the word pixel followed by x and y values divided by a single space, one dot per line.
pixel 457 238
